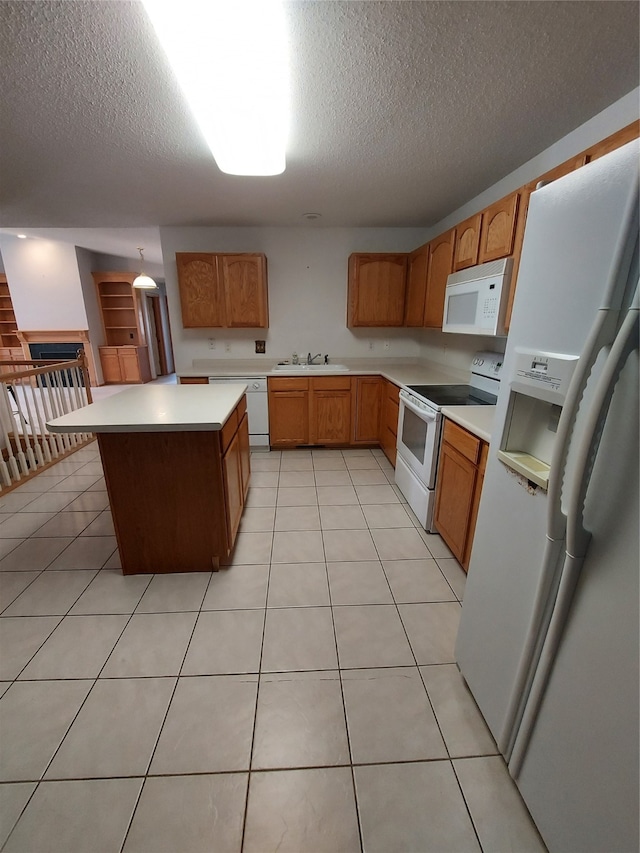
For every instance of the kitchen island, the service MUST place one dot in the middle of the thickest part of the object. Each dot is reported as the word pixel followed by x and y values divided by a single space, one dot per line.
pixel 176 466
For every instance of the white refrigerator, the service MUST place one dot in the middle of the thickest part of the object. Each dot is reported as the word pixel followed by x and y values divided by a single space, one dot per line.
pixel 548 639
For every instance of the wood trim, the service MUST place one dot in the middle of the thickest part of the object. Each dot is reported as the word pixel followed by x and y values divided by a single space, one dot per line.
pixel 29 336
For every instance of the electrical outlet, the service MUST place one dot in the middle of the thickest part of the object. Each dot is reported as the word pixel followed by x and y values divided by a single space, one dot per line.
pixel 370 344
pixel 212 343
pixel 227 347
pixel 386 345
pixel 261 346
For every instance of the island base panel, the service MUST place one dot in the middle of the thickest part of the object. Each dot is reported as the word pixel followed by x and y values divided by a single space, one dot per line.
pixel 166 496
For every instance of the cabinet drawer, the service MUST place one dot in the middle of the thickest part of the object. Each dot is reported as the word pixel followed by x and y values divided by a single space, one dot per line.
pixel 288 383
pixel 465 443
pixel 331 383
pixel 194 380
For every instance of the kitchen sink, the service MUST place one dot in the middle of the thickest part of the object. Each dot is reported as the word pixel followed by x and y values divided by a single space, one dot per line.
pixel 310 368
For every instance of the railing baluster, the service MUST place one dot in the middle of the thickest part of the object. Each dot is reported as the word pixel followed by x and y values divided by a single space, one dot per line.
pixel 41 391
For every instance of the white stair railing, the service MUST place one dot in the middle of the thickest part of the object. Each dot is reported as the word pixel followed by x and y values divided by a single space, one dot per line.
pixel 32 393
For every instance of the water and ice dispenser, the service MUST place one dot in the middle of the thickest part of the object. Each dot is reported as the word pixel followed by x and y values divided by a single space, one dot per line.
pixel 538 387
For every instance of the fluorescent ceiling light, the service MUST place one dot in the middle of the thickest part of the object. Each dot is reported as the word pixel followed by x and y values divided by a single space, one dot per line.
pixel 231 60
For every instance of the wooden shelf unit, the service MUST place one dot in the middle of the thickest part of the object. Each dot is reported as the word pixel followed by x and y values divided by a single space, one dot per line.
pixel 8 325
pixel 119 308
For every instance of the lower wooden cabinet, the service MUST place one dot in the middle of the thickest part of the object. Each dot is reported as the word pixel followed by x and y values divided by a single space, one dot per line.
pixel 177 497
pixel 367 404
pixel 288 411
pixel 309 411
pixel 461 467
pixel 389 420
pixel 330 410
pixel 125 365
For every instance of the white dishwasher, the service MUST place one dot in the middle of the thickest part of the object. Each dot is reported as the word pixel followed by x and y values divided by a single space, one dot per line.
pixel 257 406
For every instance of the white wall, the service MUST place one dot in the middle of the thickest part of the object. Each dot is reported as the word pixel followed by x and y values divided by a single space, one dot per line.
pixel 307 273
pixel 45 285
pixel 457 350
pixel 86 263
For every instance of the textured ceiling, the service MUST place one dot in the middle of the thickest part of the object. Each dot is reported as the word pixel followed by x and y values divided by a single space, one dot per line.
pixel 402 111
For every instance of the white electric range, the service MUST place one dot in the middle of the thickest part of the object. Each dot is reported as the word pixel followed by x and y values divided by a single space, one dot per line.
pixel 420 429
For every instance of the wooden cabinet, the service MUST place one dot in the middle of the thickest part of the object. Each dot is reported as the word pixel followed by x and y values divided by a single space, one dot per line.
pixel 458 489
pixel 234 444
pixel 376 290
pixel 201 292
pixel 193 380
pixel 125 365
pixel 177 497
pixel 330 410
pixel 389 420
pixel 440 267
pixel 8 326
pixel 417 269
pixel 429 267
pixel 616 140
pixel 223 290
pixel 288 411
pixel 125 358
pixel 309 411
pixel 366 408
pixel 498 229
pixel 467 243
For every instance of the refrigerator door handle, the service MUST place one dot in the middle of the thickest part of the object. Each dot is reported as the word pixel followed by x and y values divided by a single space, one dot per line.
pixel 578 537
pixel 602 334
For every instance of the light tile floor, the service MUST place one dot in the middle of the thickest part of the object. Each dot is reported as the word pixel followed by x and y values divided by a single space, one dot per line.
pixel 305 698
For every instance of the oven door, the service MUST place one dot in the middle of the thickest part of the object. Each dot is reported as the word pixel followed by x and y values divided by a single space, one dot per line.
pixel 419 440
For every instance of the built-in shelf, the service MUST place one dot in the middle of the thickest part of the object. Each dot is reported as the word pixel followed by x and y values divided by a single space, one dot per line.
pixel 8 325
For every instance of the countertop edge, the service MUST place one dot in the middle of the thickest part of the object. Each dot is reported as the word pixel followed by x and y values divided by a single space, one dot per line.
pixel 80 420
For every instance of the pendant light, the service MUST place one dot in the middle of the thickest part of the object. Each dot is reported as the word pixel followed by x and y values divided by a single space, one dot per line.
pixel 143 281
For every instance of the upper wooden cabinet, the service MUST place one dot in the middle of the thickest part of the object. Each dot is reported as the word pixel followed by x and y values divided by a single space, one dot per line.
pixel 498 229
pixel 376 290
pixel 467 243
pixel 440 267
pixel 223 290
pixel 428 269
pixel 417 268
pixel 621 137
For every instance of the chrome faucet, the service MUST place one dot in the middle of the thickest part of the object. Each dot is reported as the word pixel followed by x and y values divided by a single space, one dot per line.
pixel 312 358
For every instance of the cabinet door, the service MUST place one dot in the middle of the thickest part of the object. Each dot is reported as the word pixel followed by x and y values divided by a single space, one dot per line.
pixel 440 267
pixel 477 494
pixel 376 290
pixel 467 243
pixel 330 421
pixel 288 417
pixel 110 364
pixel 498 229
pixel 368 397
pixel 389 421
pixel 454 499
pixel 244 279
pixel 129 368
pixel 417 266
pixel 245 453
pixel 234 494
pixel 201 292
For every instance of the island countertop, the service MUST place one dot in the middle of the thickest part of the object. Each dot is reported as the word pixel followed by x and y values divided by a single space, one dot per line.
pixel 156 408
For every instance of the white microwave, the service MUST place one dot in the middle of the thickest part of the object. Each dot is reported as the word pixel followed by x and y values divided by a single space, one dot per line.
pixel 475 300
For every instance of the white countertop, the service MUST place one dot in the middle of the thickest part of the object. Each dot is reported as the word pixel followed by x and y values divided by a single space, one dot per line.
pixel 156 408
pixel 476 419
pixel 402 371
